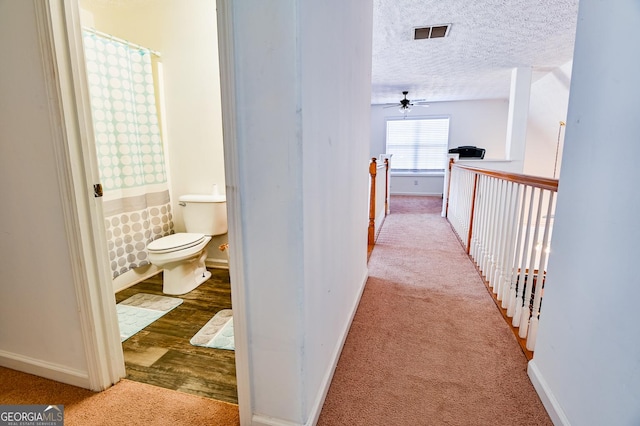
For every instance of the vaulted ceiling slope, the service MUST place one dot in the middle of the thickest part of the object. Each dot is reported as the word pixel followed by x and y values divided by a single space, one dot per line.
pixel 486 40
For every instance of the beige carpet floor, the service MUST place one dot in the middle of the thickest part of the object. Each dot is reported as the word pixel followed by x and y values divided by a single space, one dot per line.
pixel 428 346
pixel 126 403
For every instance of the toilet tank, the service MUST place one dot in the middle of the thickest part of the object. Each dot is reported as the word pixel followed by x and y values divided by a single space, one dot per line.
pixel 204 214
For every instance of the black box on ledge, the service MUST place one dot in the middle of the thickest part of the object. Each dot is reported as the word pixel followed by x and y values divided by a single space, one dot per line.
pixel 468 152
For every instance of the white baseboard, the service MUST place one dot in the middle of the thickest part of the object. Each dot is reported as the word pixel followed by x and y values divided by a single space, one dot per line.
pixel 217 263
pixel 48 370
pixel 260 420
pixel 316 407
pixel 558 417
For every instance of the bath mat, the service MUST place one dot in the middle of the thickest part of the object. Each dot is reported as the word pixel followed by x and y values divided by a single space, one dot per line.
pixel 140 310
pixel 217 333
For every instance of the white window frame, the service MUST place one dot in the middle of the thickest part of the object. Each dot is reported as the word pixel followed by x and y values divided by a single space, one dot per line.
pixel 396 158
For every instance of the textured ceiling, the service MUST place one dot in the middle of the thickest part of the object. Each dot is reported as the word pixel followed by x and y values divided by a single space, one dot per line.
pixel 487 39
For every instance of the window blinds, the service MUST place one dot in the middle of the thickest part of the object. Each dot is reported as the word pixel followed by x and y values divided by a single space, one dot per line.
pixel 418 144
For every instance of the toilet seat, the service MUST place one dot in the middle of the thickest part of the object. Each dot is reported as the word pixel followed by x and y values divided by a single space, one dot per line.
pixel 175 242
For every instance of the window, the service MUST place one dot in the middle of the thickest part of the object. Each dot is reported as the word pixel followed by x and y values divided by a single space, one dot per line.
pixel 418 145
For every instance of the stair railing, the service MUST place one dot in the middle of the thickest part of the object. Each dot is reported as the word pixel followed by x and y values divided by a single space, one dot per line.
pixel 378 198
pixel 505 221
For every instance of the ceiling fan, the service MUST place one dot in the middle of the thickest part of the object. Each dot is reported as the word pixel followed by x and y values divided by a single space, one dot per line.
pixel 405 105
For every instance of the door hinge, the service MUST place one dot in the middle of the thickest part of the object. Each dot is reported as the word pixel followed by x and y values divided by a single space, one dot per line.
pixel 97 190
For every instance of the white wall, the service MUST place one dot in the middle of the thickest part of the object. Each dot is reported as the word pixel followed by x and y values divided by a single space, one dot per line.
pixel 480 123
pixel 303 199
pixel 519 97
pixel 587 359
pixel 547 108
pixel 186 36
pixel 336 50
pixel 39 322
pixel 416 184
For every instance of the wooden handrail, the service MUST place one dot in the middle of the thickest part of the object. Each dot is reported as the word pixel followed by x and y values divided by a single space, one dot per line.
pixel 535 181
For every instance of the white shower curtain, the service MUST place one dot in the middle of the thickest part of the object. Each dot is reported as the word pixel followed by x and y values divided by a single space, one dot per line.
pixel 129 147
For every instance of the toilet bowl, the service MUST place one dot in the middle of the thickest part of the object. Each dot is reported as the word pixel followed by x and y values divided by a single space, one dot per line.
pixel 182 255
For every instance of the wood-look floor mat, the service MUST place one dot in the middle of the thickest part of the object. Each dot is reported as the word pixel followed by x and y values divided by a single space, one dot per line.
pixel 142 309
pixel 217 333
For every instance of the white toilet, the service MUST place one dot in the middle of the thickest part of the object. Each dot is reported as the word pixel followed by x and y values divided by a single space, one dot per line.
pixel 182 255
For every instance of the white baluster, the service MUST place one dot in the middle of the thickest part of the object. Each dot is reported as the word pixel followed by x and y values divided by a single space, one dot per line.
pixel 495 241
pixel 523 261
pixel 495 237
pixel 477 221
pixel 454 191
pixel 480 250
pixel 468 207
pixel 486 224
pixel 486 254
pixel 544 256
pixel 516 253
pixel 482 221
pixel 461 193
pixel 495 225
pixel 502 240
pixel 482 256
pixel 526 313
pixel 509 235
pixel 461 210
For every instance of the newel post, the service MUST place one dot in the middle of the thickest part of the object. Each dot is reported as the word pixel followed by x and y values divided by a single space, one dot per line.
pixel 386 187
pixel 373 170
pixel 446 210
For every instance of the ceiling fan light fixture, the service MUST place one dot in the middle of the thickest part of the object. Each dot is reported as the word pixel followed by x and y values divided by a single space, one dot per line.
pixel 405 105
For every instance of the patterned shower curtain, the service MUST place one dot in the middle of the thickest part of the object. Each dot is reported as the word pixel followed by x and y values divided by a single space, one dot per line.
pixel 129 148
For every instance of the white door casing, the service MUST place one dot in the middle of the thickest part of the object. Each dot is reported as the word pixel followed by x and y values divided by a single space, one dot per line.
pixel 61 40
pixel 77 170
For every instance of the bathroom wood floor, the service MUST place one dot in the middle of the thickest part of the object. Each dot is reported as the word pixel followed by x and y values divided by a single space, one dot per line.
pixel 161 354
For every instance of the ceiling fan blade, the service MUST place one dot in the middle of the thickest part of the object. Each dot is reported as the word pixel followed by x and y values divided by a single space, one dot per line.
pixel 392 106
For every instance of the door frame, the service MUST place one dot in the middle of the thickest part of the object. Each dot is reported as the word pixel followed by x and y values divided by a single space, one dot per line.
pixel 76 164
pixel 234 207
pixel 61 37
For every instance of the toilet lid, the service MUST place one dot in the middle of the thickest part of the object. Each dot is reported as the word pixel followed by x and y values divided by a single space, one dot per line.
pixel 175 242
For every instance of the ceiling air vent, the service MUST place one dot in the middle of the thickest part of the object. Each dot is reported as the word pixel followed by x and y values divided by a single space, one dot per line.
pixel 436 31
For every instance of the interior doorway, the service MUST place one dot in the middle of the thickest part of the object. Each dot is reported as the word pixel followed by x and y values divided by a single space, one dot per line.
pixel 73 34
